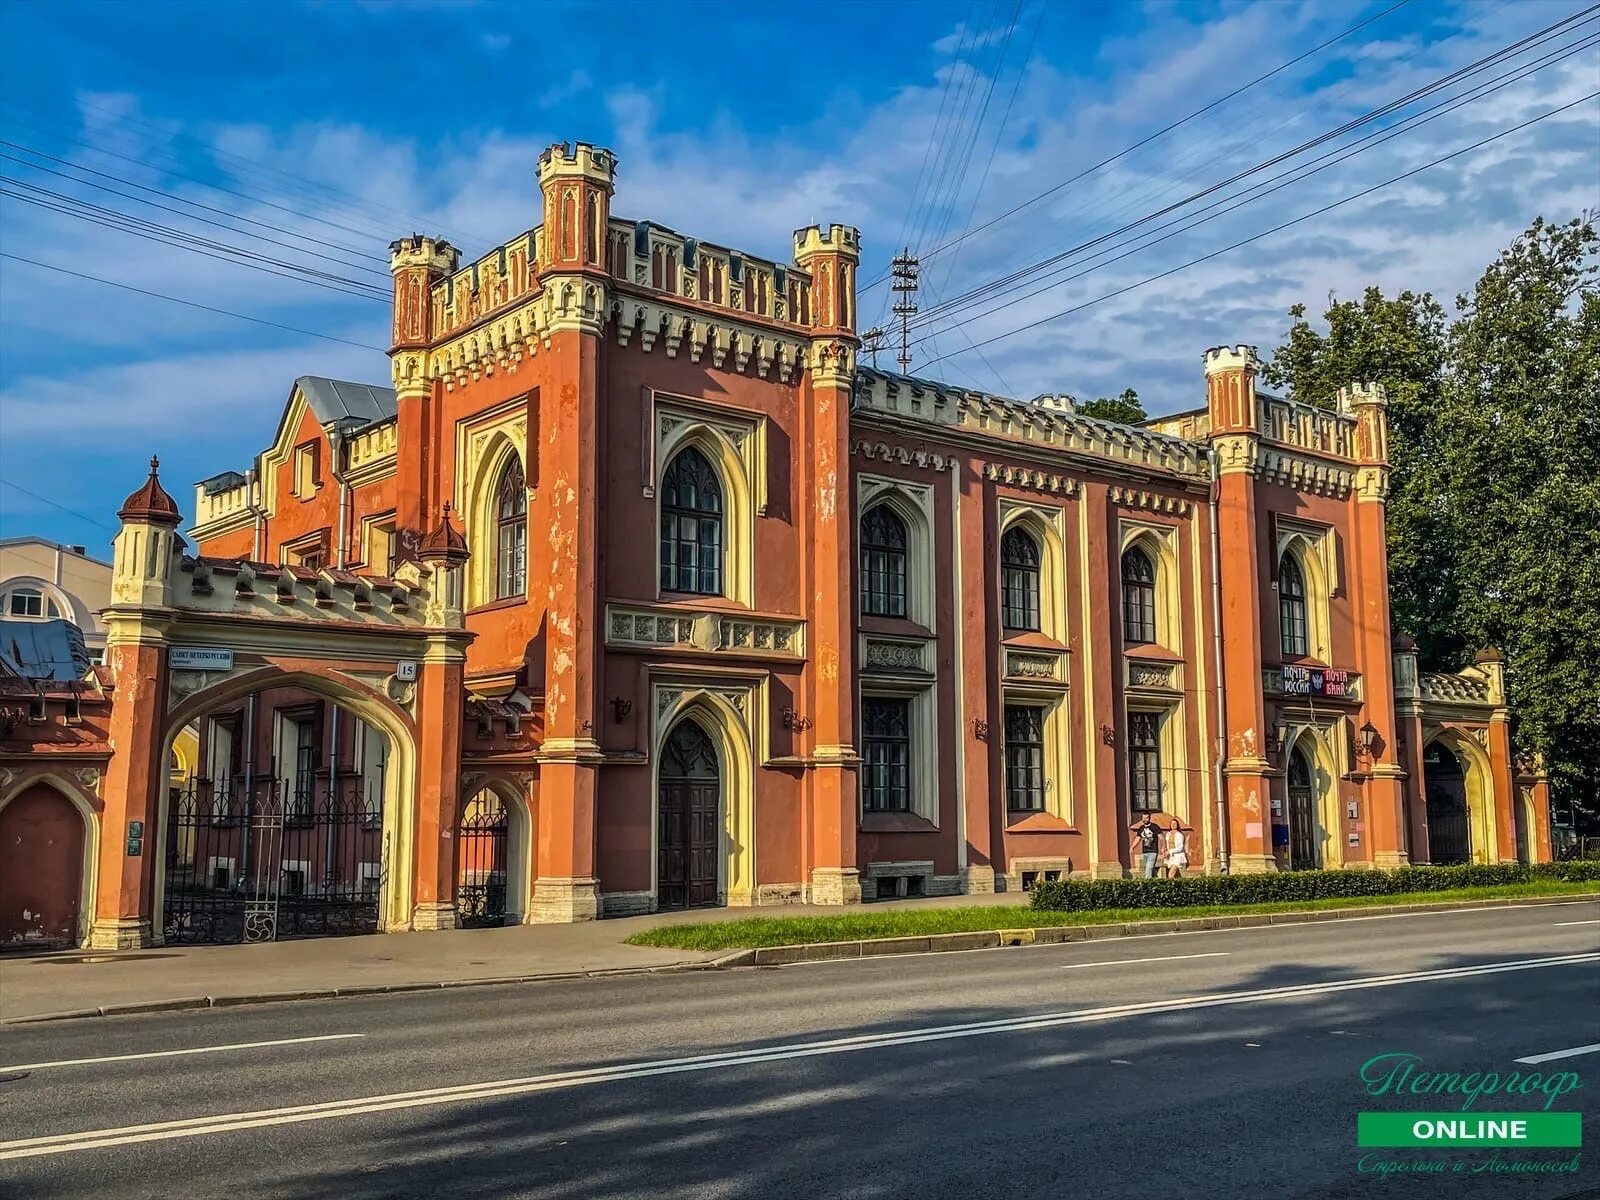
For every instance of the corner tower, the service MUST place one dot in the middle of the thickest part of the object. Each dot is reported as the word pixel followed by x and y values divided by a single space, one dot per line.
pixel 576 184
pixel 831 258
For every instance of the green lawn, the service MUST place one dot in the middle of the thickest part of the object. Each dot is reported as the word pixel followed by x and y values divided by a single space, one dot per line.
pixel 913 922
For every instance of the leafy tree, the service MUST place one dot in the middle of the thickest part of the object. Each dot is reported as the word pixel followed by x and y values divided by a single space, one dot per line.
pixel 1124 409
pixel 1494 510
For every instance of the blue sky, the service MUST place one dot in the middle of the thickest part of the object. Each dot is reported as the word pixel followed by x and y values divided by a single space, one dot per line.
pixel 346 124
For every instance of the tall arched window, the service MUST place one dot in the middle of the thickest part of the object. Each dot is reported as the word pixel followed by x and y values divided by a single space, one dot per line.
pixel 883 563
pixel 1019 579
pixel 691 526
pixel 511 532
pixel 1138 597
pixel 1292 607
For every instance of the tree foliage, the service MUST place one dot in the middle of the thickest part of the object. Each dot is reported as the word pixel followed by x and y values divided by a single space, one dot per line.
pixel 1125 409
pixel 1494 508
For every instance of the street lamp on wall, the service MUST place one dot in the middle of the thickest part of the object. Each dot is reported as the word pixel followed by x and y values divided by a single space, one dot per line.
pixel 1367 740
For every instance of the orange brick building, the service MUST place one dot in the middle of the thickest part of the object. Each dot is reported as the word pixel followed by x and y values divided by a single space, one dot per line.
pixel 637 591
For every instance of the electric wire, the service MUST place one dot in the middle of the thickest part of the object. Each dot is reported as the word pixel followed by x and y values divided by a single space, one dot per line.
pixel 1256 237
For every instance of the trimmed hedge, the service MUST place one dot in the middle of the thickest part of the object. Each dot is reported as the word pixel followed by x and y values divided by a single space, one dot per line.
pixel 1091 895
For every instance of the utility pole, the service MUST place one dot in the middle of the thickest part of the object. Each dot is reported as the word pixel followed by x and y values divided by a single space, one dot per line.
pixel 874 340
pixel 904 268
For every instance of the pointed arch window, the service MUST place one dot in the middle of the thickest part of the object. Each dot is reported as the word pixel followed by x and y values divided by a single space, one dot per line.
pixel 511 532
pixel 1292 607
pixel 691 526
pixel 1019 579
pixel 1138 597
pixel 883 563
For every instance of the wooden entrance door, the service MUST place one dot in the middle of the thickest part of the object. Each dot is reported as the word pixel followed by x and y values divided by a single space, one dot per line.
pixel 1302 818
pixel 688 820
pixel 41 870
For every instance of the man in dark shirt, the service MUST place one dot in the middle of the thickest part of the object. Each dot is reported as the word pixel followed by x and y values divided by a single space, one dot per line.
pixel 1148 835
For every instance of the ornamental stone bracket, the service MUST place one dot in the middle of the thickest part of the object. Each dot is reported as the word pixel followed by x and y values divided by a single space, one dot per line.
pixel 732 633
pixel 884 452
pixel 1036 665
pixel 730 344
pixel 1143 676
pixel 1304 474
pixel 895 656
pixel 1152 501
pixel 1033 480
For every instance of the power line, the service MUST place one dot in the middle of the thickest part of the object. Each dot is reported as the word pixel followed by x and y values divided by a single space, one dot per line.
pixel 994 146
pixel 1276 228
pixel 171 195
pixel 192 216
pixel 128 287
pixel 1007 282
pixel 46 500
pixel 1287 178
pixel 183 246
pixel 227 252
pixel 216 187
pixel 373 209
pixel 1278 70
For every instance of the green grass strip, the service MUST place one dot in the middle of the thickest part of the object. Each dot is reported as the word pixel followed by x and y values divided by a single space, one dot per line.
pixel 919 922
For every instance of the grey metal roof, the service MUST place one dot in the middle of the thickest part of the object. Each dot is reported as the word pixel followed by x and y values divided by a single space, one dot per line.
pixel 44 649
pixel 337 400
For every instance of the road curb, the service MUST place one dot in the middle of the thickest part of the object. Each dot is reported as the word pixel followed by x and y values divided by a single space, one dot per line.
pixel 945 943
pixel 772 956
pixel 180 1003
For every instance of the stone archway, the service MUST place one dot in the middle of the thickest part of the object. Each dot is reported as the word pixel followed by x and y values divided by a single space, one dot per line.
pixel 1312 801
pixel 718 712
pixel 269 862
pixel 1445 789
pixel 494 852
pixel 48 839
pixel 688 819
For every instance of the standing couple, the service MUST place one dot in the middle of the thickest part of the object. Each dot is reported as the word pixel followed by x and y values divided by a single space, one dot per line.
pixel 1164 850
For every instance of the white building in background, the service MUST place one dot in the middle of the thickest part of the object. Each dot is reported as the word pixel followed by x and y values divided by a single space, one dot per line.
pixel 41 580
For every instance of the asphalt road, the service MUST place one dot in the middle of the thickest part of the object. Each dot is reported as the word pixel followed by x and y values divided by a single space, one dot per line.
pixel 1221 1064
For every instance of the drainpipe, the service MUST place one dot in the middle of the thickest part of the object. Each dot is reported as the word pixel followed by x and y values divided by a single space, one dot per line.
pixel 336 443
pixel 252 498
pixel 1216 644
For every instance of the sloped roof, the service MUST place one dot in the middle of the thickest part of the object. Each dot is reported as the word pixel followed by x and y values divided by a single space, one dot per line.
pixel 44 649
pixel 338 400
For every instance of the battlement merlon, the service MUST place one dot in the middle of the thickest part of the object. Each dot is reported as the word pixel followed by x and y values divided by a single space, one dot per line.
pixel 435 255
pixel 832 257
pixel 1231 358
pixel 1367 405
pixel 843 240
pixel 563 160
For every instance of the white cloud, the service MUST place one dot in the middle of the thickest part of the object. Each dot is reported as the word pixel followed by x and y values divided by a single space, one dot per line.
pixel 215 386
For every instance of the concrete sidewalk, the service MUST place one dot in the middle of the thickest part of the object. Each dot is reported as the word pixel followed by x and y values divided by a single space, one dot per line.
pixel 81 982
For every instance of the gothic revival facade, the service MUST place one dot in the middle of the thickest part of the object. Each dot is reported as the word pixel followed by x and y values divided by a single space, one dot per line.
pixel 637 591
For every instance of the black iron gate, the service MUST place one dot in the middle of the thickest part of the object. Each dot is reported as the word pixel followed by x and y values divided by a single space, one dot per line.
pixel 279 859
pixel 1449 839
pixel 481 861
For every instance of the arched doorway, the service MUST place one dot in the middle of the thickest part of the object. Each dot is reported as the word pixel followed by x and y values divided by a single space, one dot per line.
pixel 1445 784
pixel 483 861
pixel 1302 812
pixel 288 828
pixel 689 825
pixel 41 869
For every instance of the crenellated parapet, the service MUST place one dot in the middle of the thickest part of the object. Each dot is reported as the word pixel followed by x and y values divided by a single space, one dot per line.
pixel 831 257
pixel 901 398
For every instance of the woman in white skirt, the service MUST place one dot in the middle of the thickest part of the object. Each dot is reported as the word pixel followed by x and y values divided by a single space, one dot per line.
pixel 1177 861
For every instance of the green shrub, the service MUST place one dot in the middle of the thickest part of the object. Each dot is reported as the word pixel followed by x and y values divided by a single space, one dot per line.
pixel 1086 895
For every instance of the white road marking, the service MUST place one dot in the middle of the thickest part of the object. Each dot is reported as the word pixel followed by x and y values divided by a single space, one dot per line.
pixel 1559 924
pixel 93 1139
pixel 1123 962
pixel 1535 1059
pixel 83 1062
